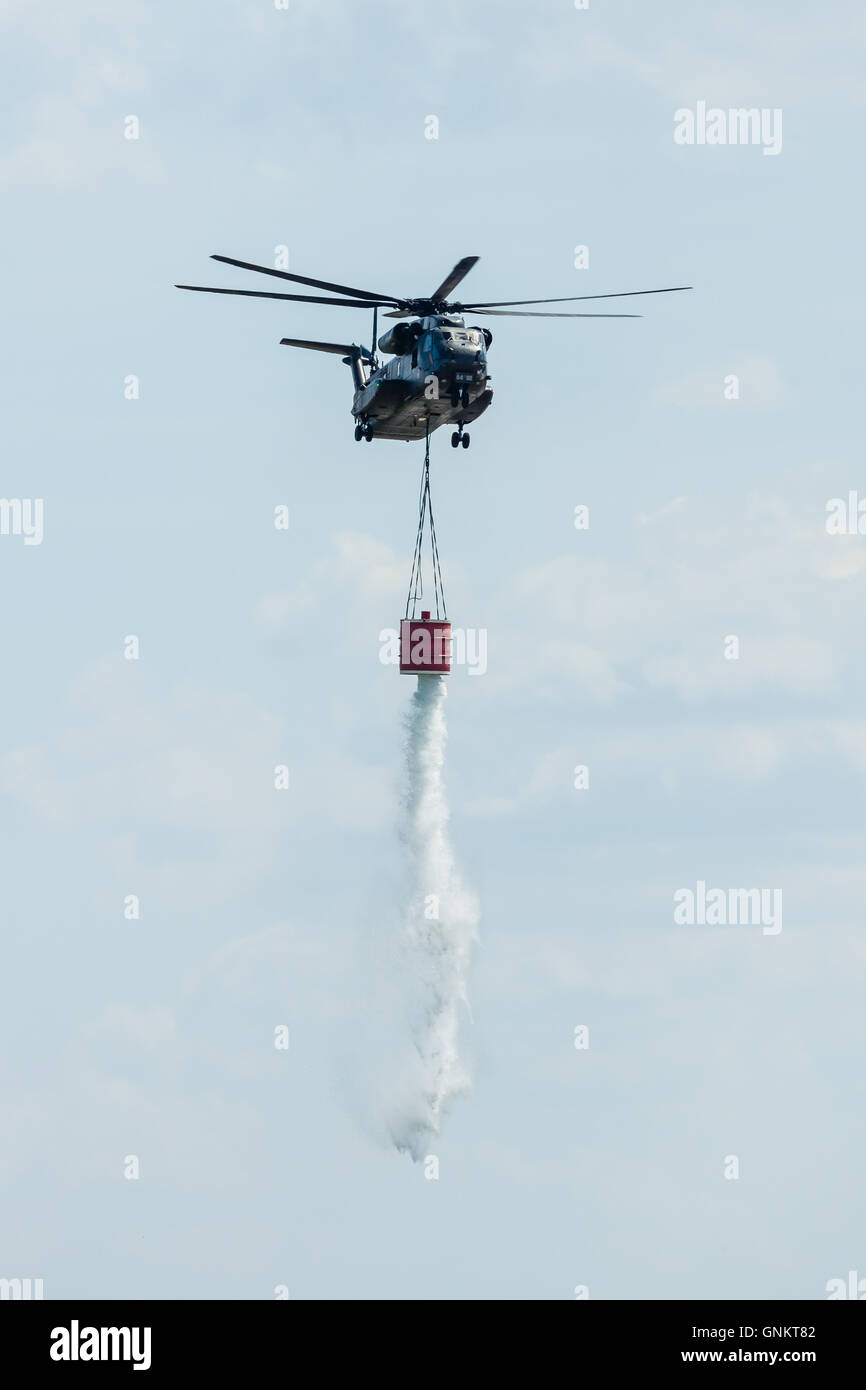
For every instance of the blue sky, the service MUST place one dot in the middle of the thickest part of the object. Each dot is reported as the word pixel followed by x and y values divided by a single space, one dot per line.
pixel 305 128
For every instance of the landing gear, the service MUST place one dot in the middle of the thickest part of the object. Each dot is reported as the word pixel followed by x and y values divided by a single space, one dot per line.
pixel 455 440
pixel 455 398
pixel 465 441
pixel 464 397
pixel 359 433
pixel 368 433
pixel 458 437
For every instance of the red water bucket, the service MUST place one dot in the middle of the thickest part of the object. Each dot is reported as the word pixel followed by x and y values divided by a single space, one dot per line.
pixel 425 646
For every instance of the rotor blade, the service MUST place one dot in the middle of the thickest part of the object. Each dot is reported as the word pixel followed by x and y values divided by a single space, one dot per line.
pixel 302 298
pixel 461 268
pixel 317 284
pixel 532 314
pixel 569 298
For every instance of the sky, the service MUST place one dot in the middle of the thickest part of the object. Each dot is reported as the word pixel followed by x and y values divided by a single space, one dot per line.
pixel 708 1141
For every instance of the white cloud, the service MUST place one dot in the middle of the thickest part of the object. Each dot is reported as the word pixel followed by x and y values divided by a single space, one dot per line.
pixel 850 737
pixel 729 55
pixel 177 783
pixel 276 611
pixel 684 579
pixel 790 663
pixel 491 807
pixel 370 564
pixel 243 952
pixel 760 386
pixel 648 518
pixel 147 1027
pixel 746 752
pixel 75 135
pixel 586 668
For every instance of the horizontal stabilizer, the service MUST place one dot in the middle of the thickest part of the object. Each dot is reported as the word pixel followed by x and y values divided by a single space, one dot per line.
pixel 341 349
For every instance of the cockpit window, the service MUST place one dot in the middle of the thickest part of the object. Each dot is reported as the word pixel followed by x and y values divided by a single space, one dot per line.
pixel 462 337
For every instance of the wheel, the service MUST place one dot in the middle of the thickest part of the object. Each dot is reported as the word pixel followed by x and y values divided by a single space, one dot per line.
pixel 359 432
pixel 455 398
pixel 464 396
pixel 455 440
pixel 368 433
pixel 466 441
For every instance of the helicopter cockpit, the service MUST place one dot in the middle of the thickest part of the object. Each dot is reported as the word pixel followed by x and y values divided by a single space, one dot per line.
pixel 457 338
pixel 462 337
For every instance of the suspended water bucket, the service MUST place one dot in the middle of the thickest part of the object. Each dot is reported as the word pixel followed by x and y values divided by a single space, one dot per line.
pixel 425 646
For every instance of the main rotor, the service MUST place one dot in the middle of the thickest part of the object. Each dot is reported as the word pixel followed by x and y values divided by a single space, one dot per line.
pixel 397 307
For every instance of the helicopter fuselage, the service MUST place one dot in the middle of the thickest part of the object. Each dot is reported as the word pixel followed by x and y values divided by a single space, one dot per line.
pixel 441 378
pixel 437 374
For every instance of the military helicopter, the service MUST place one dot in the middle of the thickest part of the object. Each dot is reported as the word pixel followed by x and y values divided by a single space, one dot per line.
pixel 437 374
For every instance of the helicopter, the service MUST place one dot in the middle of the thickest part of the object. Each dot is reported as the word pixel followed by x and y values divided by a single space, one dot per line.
pixel 437 373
